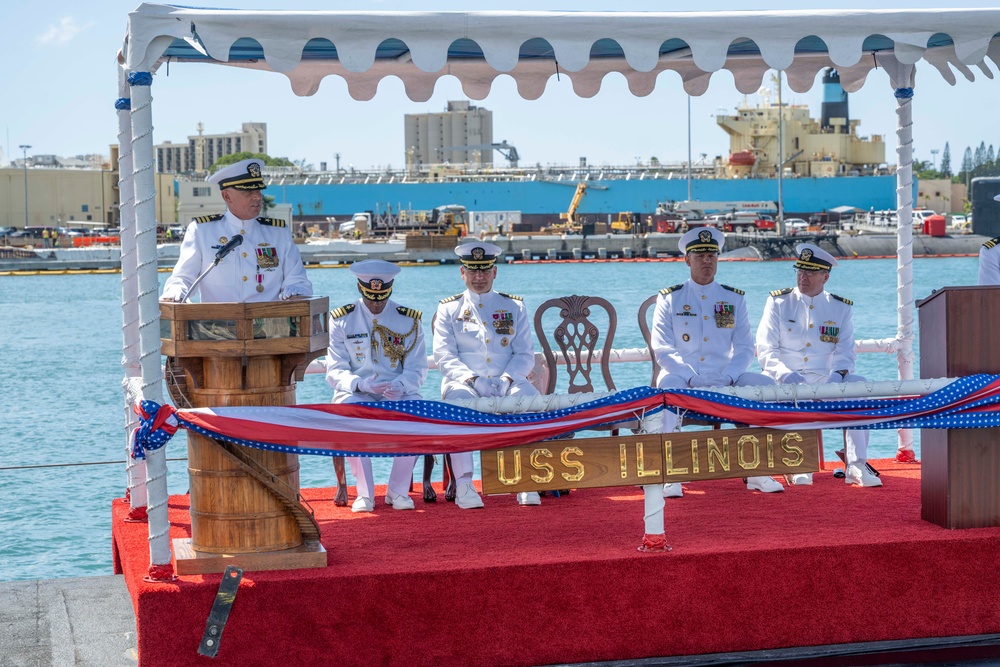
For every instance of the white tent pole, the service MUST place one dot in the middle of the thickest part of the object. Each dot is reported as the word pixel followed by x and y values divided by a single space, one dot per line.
pixel 903 84
pixel 149 314
pixel 135 469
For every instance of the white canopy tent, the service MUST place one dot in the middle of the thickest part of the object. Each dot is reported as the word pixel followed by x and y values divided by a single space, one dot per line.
pixel 476 47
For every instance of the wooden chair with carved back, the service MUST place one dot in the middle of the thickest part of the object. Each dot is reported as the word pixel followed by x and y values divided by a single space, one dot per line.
pixel 577 338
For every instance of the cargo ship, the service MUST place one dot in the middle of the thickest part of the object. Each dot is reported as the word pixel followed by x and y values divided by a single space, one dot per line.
pixel 825 164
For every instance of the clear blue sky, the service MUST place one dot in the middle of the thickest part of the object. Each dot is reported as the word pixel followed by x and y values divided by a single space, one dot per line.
pixel 59 85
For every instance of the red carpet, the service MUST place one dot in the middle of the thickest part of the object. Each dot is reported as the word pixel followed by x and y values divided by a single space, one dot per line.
pixel 510 585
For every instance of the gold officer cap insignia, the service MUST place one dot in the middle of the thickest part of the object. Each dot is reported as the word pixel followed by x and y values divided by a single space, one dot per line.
pixel 705 236
pixel 254 169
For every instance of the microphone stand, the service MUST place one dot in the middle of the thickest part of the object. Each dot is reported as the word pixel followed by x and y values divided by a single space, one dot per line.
pixel 223 251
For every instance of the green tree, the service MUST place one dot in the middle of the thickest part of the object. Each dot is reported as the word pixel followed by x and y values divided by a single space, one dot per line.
pixel 246 155
pixel 946 162
pixel 924 170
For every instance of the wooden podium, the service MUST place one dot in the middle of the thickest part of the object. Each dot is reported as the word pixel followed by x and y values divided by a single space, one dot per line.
pixel 245 504
pixel 960 471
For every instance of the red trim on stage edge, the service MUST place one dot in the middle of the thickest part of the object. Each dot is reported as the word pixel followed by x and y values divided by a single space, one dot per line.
pixel 563 582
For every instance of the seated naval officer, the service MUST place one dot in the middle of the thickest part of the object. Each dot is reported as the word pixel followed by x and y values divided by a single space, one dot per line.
pixel 701 335
pixel 377 353
pixel 483 348
pixel 266 266
pixel 989 260
pixel 806 335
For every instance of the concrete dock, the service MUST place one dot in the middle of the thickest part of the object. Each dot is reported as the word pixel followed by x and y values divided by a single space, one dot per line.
pixel 82 622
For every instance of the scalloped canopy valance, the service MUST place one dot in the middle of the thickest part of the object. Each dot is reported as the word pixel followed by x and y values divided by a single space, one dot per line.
pixel 477 47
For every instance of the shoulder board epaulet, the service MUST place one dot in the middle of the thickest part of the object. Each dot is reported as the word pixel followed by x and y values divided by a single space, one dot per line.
pixel 733 289
pixel 992 242
pixel 209 218
pixel 511 296
pixel 409 312
pixel 271 222
pixel 840 298
pixel 782 292
pixel 668 290
pixel 451 298
pixel 343 310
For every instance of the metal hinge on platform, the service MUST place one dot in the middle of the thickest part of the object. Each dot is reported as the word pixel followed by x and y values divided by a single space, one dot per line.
pixel 224 600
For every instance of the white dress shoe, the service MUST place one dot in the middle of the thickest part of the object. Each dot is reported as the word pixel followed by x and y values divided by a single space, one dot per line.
pixel 398 501
pixel 800 479
pixel 529 498
pixel 673 490
pixel 363 504
pixel 862 476
pixel 467 498
pixel 764 485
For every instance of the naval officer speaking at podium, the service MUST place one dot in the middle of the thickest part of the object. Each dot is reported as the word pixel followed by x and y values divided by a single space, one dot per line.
pixel 265 266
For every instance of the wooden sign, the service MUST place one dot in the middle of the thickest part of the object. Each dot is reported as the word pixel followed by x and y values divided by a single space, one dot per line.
pixel 739 452
pixel 577 463
pixel 634 460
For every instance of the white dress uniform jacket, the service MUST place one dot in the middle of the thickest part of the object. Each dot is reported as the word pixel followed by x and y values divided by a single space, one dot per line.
pixel 989 262
pixel 484 335
pixel 701 330
pixel 813 336
pixel 356 351
pixel 267 257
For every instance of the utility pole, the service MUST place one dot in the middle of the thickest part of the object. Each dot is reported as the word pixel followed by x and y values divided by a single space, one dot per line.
pixel 24 149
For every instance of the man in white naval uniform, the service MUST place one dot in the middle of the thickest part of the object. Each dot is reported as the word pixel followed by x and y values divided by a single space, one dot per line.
pixel 806 335
pixel 483 348
pixel 701 335
pixel 266 266
pixel 377 353
pixel 989 260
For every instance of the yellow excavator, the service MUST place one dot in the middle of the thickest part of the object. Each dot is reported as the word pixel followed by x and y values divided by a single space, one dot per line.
pixel 624 223
pixel 569 223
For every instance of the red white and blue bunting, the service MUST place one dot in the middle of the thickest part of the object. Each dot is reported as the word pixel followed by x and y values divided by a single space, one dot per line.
pixel 395 428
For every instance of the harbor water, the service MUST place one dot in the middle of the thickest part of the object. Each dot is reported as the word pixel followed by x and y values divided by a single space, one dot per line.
pixel 61 400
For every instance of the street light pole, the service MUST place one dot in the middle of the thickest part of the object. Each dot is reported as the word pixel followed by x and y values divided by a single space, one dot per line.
pixel 24 149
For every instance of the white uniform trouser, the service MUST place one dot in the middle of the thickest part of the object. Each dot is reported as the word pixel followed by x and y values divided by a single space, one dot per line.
pixel 856 447
pixel 402 466
pixel 676 382
pixel 462 462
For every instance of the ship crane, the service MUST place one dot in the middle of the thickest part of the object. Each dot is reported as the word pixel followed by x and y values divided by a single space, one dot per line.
pixel 506 150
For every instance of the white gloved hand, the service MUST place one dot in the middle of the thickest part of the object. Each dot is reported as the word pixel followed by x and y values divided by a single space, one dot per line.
pixel 501 386
pixel 700 381
pixel 837 377
pixel 793 378
pixel 371 385
pixel 483 387
pixel 394 391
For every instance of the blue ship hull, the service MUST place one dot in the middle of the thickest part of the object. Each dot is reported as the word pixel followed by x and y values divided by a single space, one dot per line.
pixel 605 196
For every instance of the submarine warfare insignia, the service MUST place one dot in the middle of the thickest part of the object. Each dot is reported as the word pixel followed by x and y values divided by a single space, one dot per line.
pixel 725 315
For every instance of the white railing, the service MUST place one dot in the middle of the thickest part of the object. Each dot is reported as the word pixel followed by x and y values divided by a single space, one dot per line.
pixel 641 354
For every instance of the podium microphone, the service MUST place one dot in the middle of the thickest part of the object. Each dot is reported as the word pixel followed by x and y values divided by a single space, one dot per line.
pixel 228 248
pixel 219 255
